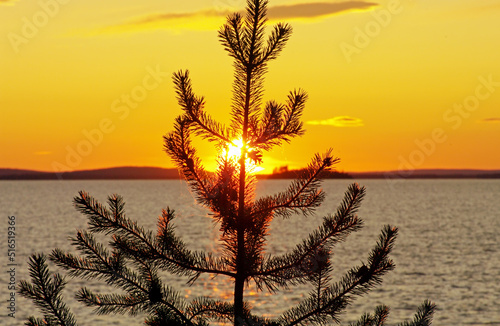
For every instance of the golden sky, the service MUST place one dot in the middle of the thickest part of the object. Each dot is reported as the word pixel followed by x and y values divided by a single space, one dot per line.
pixel 393 84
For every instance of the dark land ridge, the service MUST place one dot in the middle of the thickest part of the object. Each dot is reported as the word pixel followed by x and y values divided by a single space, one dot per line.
pixel 156 173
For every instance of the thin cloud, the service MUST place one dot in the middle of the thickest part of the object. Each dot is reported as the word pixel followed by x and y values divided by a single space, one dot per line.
pixel 176 16
pixel 211 19
pixel 200 20
pixel 340 121
pixel 490 120
pixel 316 9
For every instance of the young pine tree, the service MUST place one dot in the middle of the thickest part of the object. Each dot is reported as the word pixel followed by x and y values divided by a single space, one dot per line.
pixel 135 256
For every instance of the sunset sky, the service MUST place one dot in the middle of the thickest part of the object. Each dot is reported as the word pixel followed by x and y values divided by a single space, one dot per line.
pixel 407 84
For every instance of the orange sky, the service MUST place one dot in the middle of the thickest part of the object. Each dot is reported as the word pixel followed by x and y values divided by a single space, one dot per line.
pixel 392 84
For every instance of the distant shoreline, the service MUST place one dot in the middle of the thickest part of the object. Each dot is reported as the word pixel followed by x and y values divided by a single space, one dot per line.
pixel 155 173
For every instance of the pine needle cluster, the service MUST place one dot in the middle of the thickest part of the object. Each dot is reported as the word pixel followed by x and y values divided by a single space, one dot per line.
pixel 134 258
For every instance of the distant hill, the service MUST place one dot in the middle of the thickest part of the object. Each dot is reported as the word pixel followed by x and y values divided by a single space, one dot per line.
pixel 118 173
pixel 9 174
pixel 429 174
pixel 155 173
pixel 292 174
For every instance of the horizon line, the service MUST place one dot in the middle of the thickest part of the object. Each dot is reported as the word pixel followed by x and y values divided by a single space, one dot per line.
pixel 174 168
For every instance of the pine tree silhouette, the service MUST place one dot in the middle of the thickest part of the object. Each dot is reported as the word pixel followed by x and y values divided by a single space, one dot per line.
pixel 135 257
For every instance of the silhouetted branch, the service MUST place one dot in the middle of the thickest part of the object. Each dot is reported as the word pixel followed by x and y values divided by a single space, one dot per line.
pixel 168 248
pixel 200 121
pixel 423 317
pixel 302 195
pixel 230 37
pixel 288 269
pixel 378 319
pixel 276 42
pixel 356 282
pixel 45 291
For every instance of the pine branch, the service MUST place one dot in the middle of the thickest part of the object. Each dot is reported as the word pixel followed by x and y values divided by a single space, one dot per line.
pixel 358 281
pixel 112 303
pixel 163 317
pixel 424 315
pixel 289 269
pixel 378 319
pixel 133 242
pixel 45 292
pixel 276 42
pixel 202 124
pixel 230 37
pixel 174 260
pixel 102 220
pixel 254 23
pixel 280 123
pixel 380 316
pixel 199 311
pixel 307 312
pixel 32 321
pixel 99 217
pixel 244 41
pixel 186 98
pixel 303 195
pixel 223 196
pixel 202 309
pixel 270 125
pixel 320 269
pixel 178 146
pixel 134 303
pixel 378 260
pixel 168 248
pixel 143 295
pixel 97 264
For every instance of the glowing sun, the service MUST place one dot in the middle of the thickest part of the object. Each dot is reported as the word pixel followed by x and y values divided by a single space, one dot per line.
pixel 233 152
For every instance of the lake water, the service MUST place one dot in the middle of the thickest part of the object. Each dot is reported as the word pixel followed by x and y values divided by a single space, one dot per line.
pixel 448 249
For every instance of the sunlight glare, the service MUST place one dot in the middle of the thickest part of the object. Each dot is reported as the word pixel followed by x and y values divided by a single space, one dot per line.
pixel 233 152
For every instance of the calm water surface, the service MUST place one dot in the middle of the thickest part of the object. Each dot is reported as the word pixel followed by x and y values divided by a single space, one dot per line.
pixel 448 248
